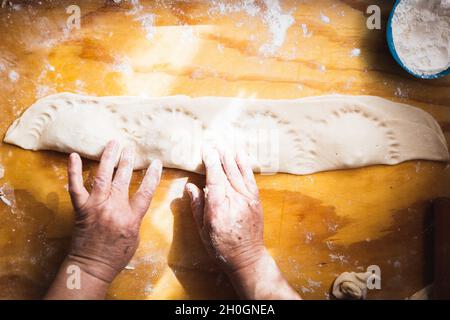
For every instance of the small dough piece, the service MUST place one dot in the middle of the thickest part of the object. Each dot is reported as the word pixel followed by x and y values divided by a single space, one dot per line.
pixel 351 286
pixel 299 136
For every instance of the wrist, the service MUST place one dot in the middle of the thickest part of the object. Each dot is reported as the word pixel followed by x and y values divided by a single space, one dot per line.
pixel 96 269
pixel 72 282
pixel 249 263
pixel 254 279
pixel 262 280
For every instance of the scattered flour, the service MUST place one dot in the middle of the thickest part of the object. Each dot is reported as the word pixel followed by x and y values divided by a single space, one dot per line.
pixel 2 171
pixel 147 20
pixel 220 48
pixel 421 34
pixel 123 66
pixel 309 236
pixel 43 87
pixel 356 52
pixel 306 32
pixel 313 283
pixel 324 18
pixel 277 21
pixel 7 195
pixel 418 166
pixel 322 68
pixel 188 34
pixel 13 76
pixel 148 24
pixel 278 24
pixel 136 7
pixel 338 257
pixel 225 7
pixel 80 84
pixel 43 91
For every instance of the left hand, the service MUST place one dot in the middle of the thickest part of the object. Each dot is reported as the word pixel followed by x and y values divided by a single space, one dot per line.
pixel 107 221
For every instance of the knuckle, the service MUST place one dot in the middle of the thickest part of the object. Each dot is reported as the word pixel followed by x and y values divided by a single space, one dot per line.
pixel 100 182
pixel 126 161
pixel 127 228
pixel 213 226
pixel 72 172
pixel 72 190
pixel 108 153
pixel 118 185
pixel 147 194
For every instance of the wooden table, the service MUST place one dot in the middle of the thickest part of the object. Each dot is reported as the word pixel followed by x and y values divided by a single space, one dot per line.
pixel 317 226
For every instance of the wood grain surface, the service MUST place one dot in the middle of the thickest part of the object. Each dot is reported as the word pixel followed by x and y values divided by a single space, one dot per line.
pixel 316 226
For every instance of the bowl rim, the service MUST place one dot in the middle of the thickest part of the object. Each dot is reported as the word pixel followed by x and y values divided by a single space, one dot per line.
pixel 393 50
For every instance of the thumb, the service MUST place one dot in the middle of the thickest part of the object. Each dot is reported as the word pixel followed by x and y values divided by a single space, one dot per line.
pixel 197 203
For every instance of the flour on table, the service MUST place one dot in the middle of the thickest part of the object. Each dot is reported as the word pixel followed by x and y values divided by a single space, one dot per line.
pixel 272 15
pixel 148 24
pixel 299 136
pixel 13 76
pixel 356 52
pixel 278 23
pixel 7 195
pixel 147 20
pixel 324 18
pixel 306 32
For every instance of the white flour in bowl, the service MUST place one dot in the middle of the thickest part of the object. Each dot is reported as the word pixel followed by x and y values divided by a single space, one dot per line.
pixel 421 33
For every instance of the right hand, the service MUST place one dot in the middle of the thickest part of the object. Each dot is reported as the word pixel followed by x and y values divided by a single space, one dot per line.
pixel 228 213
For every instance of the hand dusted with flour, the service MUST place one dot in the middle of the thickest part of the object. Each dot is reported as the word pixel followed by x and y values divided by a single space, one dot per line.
pixel 299 136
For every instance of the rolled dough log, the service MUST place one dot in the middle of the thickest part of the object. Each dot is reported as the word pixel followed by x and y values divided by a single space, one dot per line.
pixel 351 286
pixel 299 136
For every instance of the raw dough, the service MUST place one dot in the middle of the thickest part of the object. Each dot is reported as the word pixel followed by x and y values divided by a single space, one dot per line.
pixel 351 285
pixel 299 136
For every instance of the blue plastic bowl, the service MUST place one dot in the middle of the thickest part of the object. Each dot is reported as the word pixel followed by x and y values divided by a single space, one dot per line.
pixel 393 50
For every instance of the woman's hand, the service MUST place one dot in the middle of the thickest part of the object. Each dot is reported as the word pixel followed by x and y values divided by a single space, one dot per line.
pixel 107 223
pixel 230 220
pixel 228 213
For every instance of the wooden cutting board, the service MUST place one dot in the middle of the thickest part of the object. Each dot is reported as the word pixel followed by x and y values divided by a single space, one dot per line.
pixel 316 226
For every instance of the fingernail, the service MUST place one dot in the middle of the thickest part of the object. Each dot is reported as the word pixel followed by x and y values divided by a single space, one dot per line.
pixel 73 156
